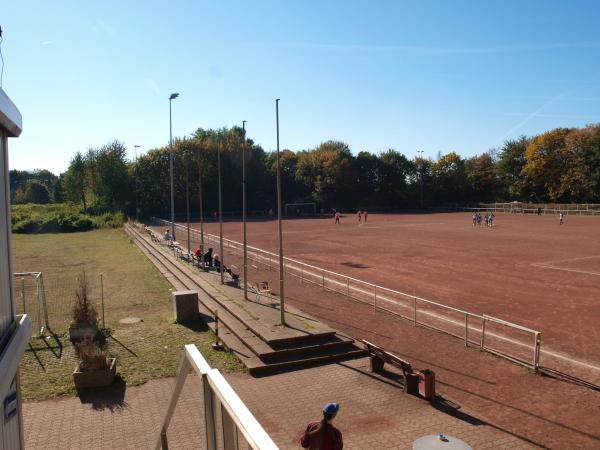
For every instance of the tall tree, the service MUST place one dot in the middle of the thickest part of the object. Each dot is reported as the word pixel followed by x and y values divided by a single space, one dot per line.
pixel 75 183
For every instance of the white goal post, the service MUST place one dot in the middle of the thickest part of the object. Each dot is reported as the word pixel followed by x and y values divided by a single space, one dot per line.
pixel 300 209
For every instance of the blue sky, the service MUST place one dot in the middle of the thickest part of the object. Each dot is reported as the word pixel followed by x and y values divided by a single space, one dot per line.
pixel 437 76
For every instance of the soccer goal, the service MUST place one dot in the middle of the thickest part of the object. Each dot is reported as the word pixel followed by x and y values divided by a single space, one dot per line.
pixel 30 296
pixel 300 209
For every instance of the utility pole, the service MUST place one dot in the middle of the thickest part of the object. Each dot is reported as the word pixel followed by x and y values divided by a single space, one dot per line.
pixel 172 97
pixel 245 263
pixel 281 271
pixel 187 205
pixel 221 260
pixel 201 212
pixel 421 173
pixel 137 210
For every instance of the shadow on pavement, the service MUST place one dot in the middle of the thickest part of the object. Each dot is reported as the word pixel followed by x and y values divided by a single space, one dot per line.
pixel 111 397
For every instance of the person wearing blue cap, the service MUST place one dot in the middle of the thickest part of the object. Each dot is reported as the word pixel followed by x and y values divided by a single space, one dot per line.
pixel 322 435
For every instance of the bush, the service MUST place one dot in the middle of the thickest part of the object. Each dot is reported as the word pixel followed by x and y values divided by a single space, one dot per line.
pixel 60 217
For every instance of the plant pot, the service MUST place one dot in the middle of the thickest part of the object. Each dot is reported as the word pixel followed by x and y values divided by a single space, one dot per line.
pixel 97 378
pixel 78 331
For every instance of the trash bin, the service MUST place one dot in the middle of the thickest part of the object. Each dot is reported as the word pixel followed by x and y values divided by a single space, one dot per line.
pixel 427 384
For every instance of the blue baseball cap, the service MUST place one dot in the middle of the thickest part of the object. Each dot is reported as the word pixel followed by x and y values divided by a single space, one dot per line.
pixel 331 408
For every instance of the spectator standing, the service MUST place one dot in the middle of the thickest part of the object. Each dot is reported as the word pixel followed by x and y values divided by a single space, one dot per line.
pixel 322 435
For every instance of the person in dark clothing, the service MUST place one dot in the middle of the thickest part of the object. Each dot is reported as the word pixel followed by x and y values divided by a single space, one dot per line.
pixel 323 435
pixel 208 257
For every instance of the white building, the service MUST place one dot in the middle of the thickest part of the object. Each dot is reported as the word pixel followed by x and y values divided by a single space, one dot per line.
pixel 15 331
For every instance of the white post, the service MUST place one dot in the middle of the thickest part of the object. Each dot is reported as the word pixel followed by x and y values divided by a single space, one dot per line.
pixel 483 334
pixel 466 329
pixel 415 313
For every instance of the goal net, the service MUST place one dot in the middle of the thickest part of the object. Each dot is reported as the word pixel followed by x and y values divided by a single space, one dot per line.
pixel 30 298
pixel 300 209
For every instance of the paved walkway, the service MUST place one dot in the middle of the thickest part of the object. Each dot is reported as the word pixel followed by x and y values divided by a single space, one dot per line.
pixel 375 413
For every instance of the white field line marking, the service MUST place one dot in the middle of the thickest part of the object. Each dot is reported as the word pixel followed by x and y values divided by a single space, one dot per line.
pixel 556 261
pixel 586 272
pixel 401 225
pixel 437 316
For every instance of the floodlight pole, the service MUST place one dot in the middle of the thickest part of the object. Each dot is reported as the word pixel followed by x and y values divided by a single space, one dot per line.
pixel 281 269
pixel 201 211
pixel 421 173
pixel 221 260
pixel 171 97
pixel 245 262
pixel 187 204
pixel 137 211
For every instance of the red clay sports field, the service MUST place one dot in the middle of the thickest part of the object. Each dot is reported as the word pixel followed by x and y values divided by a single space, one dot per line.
pixel 527 269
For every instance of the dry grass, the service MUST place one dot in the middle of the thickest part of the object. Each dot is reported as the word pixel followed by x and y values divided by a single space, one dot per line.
pixel 132 288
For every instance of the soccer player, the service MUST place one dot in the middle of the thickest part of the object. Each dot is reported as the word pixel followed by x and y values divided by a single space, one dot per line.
pixel 366 214
pixel 359 214
pixel 474 218
pixel 492 219
pixel 561 218
pixel 337 218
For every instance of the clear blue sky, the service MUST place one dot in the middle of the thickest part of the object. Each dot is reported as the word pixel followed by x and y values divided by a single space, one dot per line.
pixel 443 76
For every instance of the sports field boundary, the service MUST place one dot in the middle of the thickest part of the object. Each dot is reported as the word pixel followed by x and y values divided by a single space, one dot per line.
pixel 488 333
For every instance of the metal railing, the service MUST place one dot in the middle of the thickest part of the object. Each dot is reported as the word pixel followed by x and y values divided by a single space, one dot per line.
pixel 502 338
pixel 585 209
pixel 219 400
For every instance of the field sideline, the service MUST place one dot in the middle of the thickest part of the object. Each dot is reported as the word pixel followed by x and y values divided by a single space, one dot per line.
pixel 526 269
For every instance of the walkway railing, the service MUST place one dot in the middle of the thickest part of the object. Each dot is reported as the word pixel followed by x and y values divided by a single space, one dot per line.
pixel 219 400
pixel 511 341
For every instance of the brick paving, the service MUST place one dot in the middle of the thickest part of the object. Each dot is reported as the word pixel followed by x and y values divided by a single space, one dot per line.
pixel 375 413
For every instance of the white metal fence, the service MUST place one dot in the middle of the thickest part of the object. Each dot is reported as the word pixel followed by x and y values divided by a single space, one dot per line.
pixel 509 340
pixel 584 209
pixel 221 404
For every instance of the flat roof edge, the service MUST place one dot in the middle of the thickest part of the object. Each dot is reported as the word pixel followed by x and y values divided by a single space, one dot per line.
pixel 10 117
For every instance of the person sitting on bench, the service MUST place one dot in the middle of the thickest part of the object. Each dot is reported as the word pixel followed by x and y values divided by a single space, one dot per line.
pixel 208 257
pixel 168 236
pixel 217 262
pixel 198 253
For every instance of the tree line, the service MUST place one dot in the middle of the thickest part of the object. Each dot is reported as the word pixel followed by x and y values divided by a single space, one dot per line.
pixel 561 165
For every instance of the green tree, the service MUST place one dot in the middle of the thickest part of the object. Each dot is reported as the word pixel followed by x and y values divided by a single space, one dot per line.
pixel 392 179
pixel 510 165
pixel 329 173
pixel 449 178
pixel 36 192
pixel 74 180
pixel 481 178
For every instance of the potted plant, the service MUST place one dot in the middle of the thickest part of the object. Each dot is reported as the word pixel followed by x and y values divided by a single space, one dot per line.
pixel 85 317
pixel 95 368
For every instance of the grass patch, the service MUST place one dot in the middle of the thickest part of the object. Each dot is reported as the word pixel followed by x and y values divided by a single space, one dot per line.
pixel 133 287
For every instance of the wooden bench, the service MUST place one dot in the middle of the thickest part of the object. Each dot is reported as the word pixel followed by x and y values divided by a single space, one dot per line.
pixel 379 357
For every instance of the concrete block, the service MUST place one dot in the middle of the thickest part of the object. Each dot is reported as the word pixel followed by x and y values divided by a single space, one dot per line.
pixel 185 306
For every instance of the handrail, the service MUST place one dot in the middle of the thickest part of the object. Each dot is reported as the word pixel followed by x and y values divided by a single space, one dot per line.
pixel 216 390
pixel 10 358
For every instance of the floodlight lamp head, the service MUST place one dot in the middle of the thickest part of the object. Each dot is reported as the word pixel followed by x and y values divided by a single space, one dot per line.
pixel 137 146
pixel 174 96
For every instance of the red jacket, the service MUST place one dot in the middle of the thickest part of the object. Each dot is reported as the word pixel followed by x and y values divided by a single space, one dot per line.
pixel 327 437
